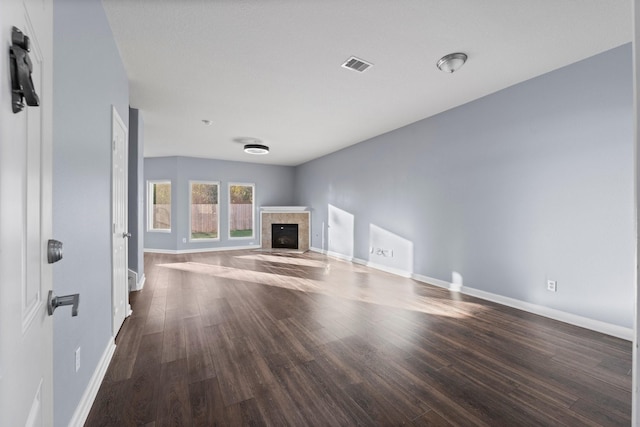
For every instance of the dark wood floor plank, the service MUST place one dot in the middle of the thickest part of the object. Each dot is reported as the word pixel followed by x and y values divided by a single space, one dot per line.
pixel 336 363
pixel 250 413
pixel 505 366
pixel 292 345
pixel 214 310
pixel 355 413
pixel 601 412
pixel 316 407
pixel 142 395
pixel 126 352
pixel 108 409
pixel 227 355
pixel 309 337
pixel 549 412
pixel 174 344
pixel 418 392
pixel 431 419
pixel 155 319
pixel 150 352
pixel 277 407
pixel 174 406
pixel 380 409
pixel 207 407
pixel 252 338
pixel 199 359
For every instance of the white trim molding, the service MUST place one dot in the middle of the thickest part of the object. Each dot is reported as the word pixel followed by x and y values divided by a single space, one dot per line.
pixel 196 251
pixel 381 267
pixel 140 284
pixel 551 313
pixel 280 209
pixel 334 255
pixel 88 397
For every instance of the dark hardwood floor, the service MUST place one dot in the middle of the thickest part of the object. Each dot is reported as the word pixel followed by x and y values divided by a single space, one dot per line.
pixel 252 338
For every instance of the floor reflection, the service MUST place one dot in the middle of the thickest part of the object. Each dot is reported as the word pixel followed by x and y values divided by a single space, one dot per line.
pixel 337 279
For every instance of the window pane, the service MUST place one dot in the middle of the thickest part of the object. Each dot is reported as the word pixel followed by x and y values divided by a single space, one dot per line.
pixel 160 206
pixel 204 210
pixel 241 210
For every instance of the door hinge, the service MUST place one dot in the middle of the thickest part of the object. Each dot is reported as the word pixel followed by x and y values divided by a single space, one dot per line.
pixel 113 145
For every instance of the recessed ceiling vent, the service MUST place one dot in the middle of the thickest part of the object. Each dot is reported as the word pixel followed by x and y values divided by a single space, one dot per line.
pixel 356 64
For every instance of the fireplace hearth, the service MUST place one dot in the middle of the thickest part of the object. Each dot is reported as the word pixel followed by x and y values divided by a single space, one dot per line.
pixel 284 236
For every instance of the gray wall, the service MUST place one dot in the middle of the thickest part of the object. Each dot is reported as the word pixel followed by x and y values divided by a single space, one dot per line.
pixel 528 184
pixel 136 192
pixel 273 187
pixel 88 78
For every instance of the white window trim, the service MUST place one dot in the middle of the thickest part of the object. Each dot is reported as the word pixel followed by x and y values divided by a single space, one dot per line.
pixel 191 239
pixel 150 228
pixel 253 210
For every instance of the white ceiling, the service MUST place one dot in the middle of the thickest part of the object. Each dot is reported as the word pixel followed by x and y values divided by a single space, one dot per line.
pixel 270 69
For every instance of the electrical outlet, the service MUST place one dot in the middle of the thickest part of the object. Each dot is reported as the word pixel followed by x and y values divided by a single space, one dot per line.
pixel 552 285
pixel 184 240
pixel 77 359
pixel 384 252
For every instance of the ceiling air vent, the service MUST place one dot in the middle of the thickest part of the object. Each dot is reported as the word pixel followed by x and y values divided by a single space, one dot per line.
pixel 356 64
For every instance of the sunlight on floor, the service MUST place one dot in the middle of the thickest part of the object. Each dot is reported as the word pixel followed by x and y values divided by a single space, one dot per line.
pixel 369 290
pixel 285 260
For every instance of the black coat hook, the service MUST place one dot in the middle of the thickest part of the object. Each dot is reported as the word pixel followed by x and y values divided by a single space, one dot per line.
pixel 21 68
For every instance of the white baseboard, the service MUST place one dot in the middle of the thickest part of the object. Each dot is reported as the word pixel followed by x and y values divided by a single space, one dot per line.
pixel 551 313
pixel 339 256
pixel 435 282
pixel 200 250
pixel 159 251
pixel 136 283
pixel 84 406
pixel 331 254
pixel 381 267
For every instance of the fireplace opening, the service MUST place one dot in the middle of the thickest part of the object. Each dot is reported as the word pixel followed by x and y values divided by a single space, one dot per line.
pixel 284 236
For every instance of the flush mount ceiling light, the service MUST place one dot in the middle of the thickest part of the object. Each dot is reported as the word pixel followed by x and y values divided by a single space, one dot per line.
pixel 256 149
pixel 452 62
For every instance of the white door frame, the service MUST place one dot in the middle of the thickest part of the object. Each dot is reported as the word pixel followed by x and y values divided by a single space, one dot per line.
pixel 635 395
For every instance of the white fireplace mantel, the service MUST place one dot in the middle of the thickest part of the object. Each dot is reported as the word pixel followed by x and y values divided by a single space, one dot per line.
pixel 283 208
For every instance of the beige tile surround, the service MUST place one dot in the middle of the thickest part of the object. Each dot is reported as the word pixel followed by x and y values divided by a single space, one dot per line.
pixel 300 218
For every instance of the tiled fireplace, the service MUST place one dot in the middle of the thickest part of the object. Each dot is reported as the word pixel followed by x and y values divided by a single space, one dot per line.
pixel 299 215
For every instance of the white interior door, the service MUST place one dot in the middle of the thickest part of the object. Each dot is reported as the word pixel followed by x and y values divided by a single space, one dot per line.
pixel 26 330
pixel 120 233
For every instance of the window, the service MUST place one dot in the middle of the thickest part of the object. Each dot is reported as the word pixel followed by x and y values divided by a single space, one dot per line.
pixel 159 206
pixel 241 197
pixel 204 210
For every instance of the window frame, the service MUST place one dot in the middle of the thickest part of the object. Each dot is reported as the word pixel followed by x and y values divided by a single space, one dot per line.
pixel 150 212
pixel 212 239
pixel 253 210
